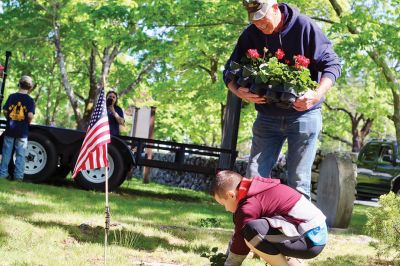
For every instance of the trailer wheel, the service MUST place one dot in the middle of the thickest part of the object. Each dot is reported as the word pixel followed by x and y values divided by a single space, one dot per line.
pixel 62 172
pixel 40 158
pixel 95 179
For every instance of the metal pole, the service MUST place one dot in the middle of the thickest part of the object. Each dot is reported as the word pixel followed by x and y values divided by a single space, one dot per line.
pixel 5 73
pixel 107 225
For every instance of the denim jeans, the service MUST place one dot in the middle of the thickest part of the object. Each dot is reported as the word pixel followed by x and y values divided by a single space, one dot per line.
pixel 20 145
pixel 269 135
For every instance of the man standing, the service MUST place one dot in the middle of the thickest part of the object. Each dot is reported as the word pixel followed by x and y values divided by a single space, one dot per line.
pixel 279 26
pixel 19 110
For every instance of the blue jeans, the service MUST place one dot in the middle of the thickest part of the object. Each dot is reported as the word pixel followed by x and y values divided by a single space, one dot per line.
pixel 20 145
pixel 269 135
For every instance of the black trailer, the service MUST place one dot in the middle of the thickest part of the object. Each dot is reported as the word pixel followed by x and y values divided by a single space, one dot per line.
pixel 53 151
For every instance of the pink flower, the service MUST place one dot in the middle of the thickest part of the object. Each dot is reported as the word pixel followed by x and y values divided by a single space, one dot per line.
pixel 280 54
pixel 253 53
pixel 287 61
pixel 301 61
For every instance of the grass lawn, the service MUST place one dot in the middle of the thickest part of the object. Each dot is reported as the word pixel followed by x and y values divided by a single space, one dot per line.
pixel 52 225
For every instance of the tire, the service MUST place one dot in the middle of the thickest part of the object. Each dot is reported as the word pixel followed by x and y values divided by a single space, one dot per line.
pixel 95 179
pixel 396 188
pixel 62 172
pixel 40 158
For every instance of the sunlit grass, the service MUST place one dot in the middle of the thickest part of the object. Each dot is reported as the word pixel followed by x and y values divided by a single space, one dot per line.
pixel 50 225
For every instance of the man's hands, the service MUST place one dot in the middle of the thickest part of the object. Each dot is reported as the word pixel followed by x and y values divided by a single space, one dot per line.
pixel 246 95
pixel 306 101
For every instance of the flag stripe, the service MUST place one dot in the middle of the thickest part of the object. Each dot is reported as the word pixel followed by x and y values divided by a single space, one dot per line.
pixel 93 153
pixel 85 153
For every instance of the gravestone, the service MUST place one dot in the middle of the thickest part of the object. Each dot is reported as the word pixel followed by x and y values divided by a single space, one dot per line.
pixel 336 189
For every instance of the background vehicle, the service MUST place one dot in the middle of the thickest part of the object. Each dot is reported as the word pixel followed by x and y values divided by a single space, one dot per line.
pixel 52 153
pixel 378 169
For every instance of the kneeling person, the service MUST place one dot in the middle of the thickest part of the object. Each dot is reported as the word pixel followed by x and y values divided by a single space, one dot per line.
pixel 271 219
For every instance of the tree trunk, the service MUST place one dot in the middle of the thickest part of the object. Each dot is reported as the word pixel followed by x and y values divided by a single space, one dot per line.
pixel 365 130
pixel 396 114
pixel 355 133
pixel 56 103
pixel 64 76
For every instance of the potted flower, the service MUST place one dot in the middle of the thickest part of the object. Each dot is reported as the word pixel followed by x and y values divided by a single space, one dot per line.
pixel 278 79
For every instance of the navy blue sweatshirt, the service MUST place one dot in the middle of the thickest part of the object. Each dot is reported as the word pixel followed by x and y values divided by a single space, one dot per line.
pixel 300 35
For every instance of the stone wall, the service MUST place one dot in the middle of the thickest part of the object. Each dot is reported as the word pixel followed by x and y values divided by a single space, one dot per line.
pixel 193 181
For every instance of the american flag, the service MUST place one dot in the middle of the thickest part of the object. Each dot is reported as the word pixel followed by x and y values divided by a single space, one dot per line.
pixel 93 152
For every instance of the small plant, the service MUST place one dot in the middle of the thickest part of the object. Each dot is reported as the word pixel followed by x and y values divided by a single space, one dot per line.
pixel 125 238
pixel 216 258
pixel 384 224
pixel 210 222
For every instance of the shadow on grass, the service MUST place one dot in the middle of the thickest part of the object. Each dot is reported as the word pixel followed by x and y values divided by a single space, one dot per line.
pixel 119 237
pixel 23 209
pixel 153 194
pixel 351 261
pixel 128 191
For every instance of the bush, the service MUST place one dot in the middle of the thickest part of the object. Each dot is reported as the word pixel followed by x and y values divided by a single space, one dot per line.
pixel 384 224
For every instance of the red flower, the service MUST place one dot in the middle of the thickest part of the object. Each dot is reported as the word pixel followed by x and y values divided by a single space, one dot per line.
pixel 253 53
pixel 301 61
pixel 287 61
pixel 280 54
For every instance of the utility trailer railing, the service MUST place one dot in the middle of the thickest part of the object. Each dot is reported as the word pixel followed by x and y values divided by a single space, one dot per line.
pixel 180 152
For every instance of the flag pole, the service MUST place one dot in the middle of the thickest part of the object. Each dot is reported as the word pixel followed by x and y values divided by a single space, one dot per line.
pixel 107 227
pixel 107 211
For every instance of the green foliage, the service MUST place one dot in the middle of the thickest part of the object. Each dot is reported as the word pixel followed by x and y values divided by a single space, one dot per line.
pixel 216 258
pixel 210 222
pixel 191 41
pixel 384 224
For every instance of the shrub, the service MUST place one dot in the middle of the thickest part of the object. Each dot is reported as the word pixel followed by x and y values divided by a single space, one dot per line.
pixel 384 224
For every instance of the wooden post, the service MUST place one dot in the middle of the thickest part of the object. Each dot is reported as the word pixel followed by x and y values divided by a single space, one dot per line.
pixel 336 189
pixel 149 152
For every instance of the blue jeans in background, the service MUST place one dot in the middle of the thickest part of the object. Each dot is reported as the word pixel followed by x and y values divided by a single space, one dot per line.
pixel 20 145
pixel 269 135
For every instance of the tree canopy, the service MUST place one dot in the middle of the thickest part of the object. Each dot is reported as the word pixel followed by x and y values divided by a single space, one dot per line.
pixel 170 54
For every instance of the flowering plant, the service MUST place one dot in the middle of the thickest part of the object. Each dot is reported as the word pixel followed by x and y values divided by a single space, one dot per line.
pixel 273 76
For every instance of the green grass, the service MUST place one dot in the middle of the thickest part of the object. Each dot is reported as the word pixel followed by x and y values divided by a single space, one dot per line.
pixel 51 225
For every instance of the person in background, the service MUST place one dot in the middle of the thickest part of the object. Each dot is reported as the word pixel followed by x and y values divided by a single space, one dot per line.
pixel 271 219
pixel 114 112
pixel 282 28
pixel 19 110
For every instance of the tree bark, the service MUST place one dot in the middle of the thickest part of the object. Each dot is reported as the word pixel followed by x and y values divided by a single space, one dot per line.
pixel 63 71
pixel 358 136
